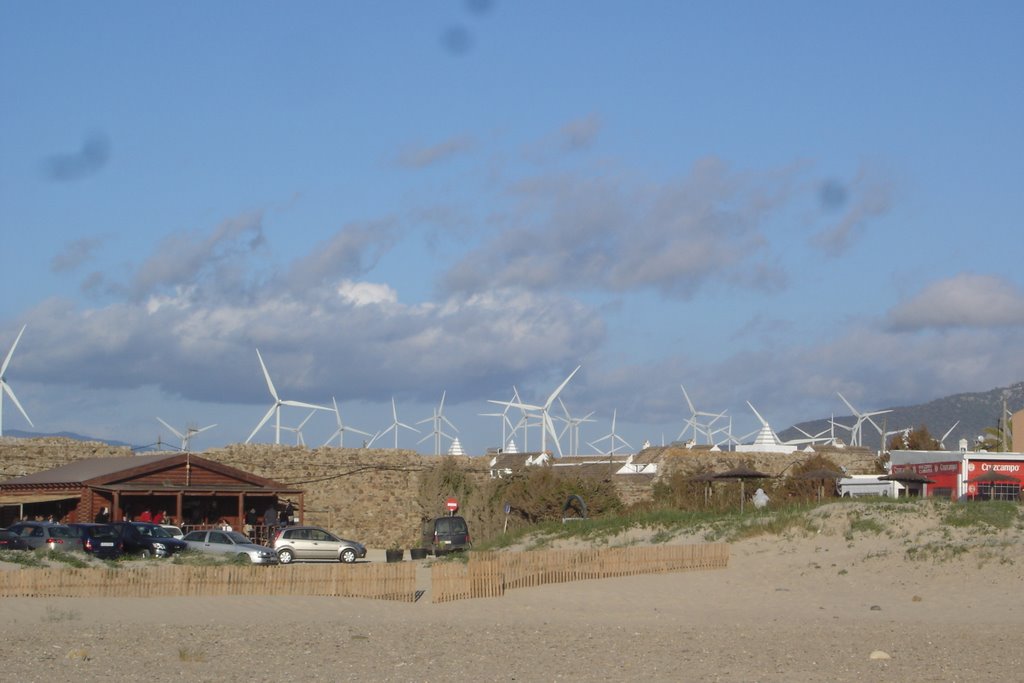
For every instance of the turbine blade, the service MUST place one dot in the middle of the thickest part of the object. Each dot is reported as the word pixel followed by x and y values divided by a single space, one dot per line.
pixel 760 419
pixel 264 421
pixel 173 430
pixel 7 359
pixel 300 404
pixel 270 383
pixel 14 400
pixel 688 401
pixel 556 392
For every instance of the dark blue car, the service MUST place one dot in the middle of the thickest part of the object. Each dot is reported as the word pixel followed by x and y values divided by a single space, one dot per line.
pixel 100 540
pixel 147 540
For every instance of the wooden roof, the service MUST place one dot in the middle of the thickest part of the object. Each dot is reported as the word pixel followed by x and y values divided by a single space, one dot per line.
pixel 145 472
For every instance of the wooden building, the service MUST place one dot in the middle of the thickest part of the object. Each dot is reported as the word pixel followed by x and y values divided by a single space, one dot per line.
pixel 190 489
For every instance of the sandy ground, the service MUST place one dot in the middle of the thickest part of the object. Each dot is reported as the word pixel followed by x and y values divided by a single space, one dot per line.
pixel 813 606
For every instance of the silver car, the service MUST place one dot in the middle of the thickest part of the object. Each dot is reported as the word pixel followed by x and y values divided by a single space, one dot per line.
pixel 313 543
pixel 229 543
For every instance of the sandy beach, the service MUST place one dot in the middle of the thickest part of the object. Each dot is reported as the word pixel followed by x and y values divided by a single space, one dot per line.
pixel 821 604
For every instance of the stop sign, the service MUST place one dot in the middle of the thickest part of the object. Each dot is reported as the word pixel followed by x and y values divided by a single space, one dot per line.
pixel 452 505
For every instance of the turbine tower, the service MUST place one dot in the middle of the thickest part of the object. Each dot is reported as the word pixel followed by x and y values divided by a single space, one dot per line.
pixel 5 388
pixel 275 409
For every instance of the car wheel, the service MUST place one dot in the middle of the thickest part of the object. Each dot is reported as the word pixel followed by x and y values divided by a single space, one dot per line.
pixel 145 554
pixel 285 556
pixel 348 556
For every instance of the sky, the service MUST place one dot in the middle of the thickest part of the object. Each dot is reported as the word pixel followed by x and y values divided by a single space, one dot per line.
pixel 399 201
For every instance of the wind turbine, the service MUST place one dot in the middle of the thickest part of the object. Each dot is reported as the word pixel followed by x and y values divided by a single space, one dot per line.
pixel 810 438
pixel 340 431
pixel 275 410
pixel 855 433
pixel 394 426
pixel 299 441
pixel 186 438
pixel 695 425
pixel 547 426
pixel 439 421
pixel 506 424
pixel 942 441
pixel 572 425
pixel 612 436
pixel 5 388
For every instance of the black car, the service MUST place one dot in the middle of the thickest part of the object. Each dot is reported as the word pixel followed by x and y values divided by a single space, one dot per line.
pixel 12 541
pixel 446 534
pixel 147 540
pixel 100 540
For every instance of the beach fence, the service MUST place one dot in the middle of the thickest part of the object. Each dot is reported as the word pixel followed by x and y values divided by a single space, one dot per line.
pixel 490 574
pixel 396 581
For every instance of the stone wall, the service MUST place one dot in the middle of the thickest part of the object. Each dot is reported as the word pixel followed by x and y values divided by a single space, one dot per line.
pixel 19 457
pixel 371 495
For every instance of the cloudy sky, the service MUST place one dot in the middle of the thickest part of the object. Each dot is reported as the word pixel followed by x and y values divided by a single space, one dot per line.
pixel 769 202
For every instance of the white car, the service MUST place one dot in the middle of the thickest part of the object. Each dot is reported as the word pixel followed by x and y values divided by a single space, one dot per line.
pixel 174 531
pixel 229 543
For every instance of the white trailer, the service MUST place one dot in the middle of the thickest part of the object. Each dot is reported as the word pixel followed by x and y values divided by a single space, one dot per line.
pixel 856 485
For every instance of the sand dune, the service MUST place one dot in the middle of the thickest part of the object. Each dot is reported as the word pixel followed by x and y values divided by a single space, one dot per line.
pixel 812 604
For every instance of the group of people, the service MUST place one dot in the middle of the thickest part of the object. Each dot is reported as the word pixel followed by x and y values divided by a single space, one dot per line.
pixel 273 519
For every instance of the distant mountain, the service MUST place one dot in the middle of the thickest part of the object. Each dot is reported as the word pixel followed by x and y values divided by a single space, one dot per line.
pixel 66 435
pixel 974 411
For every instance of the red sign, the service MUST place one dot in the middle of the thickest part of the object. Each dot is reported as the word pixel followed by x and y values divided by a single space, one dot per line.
pixel 452 505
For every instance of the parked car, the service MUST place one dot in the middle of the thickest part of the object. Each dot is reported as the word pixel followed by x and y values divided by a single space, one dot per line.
pixel 100 540
pixel 229 543
pixel 174 531
pixel 12 541
pixel 47 535
pixel 147 539
pixel 314 543
pixel 446 534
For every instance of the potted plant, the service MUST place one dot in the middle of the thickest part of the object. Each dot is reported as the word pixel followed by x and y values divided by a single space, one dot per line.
pixel 394 552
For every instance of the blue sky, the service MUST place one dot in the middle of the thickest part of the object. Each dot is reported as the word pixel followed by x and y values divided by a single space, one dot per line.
pixel 769 202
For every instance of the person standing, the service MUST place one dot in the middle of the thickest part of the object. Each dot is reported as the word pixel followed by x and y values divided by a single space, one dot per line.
pixel 250 522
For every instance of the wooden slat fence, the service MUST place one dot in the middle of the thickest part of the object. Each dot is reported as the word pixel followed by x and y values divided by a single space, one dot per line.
pixel 491 574
pixel 396 581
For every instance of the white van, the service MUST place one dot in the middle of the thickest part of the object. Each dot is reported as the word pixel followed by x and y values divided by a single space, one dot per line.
pixel 856 485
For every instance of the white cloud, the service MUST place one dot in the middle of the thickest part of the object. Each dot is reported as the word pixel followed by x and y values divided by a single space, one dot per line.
pixel 579 233
pixel 366 293
pixel 965 300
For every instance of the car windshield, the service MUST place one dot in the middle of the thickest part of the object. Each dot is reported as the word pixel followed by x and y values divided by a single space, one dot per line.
pixel 237 537
pixel 65 532
pixel 154 531
pixel 104 532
